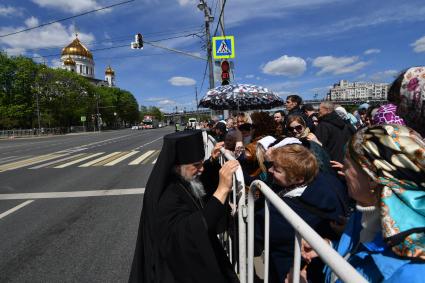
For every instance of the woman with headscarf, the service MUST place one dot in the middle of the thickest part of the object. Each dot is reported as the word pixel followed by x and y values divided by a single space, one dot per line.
pixel 385 173
pixel 408 93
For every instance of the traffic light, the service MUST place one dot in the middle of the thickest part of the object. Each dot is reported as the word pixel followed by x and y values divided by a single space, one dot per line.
pixel 138 42
pixel 225 75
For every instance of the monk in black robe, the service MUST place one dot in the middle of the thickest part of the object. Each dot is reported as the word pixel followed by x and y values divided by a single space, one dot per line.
pixel 177 240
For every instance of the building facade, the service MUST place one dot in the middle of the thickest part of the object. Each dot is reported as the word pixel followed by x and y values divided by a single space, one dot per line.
pixel 77 58
pixel 345 90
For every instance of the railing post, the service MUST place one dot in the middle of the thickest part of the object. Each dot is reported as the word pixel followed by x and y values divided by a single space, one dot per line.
pixel 250 237
pixel 266 241
pixel 297 258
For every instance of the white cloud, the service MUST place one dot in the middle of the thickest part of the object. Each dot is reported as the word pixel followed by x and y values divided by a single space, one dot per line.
pixel 419 45
pixel 249 76
pixel 31 22
pixel 384 76
pixel 154 99
pixel 14 51
pixel 55 63
pixel 166 102
pixel 74 6
pixel 185 2
pixel 182 81
pixel 372 51
pixel 54 35
pixel 338 65
pixel 286 66
pixel 9 11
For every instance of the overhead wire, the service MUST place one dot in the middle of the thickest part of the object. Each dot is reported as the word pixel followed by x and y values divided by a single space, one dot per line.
pixel 67 18
pixel 219 18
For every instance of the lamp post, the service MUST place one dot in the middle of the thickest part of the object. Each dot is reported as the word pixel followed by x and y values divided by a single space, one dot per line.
pixel 202 6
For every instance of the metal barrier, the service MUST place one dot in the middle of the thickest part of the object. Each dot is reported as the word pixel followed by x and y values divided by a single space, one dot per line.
pixel 245 211
pixel 303 231
pixel 238 190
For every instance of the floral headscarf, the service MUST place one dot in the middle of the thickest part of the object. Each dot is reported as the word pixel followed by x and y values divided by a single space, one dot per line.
pixel 394 157
pixel 412 96
pixel 386 114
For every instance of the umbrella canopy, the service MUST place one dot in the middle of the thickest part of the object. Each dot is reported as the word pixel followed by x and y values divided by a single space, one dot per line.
pixel 240 97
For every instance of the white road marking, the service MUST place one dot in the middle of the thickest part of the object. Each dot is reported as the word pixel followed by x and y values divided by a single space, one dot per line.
pixel 28 162
pixel 56 161
pixel 75 194
pixel 148 143
pixel 154 161
pixel 78 160
pixel 118 160
pixel 141 158
pixel 99 159
pixel 12 210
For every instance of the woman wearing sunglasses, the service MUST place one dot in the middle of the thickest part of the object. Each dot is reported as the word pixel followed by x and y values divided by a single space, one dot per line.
pixel 297 128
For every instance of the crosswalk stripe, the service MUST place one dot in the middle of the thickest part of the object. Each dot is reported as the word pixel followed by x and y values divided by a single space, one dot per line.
pixel 79 160
pixel 121 158
pixel 28 162
pixel 152 157
pixel 141 158
pixel 90 163
pixel 118 154
pixel 56 161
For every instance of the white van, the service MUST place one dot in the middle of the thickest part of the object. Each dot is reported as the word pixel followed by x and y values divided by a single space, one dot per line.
pixel 191 123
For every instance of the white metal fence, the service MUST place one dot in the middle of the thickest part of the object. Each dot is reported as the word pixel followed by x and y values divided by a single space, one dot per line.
pixel 245 212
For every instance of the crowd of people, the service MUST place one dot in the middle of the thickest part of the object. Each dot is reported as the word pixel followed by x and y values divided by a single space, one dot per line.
pixel 358 179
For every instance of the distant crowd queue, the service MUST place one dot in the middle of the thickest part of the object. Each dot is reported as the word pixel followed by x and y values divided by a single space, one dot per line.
pixel 358 179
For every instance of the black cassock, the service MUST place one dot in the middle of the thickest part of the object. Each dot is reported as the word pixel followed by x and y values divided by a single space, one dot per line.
pixel 177 240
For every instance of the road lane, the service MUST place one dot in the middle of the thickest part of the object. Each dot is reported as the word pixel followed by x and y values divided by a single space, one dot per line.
pixel 83 234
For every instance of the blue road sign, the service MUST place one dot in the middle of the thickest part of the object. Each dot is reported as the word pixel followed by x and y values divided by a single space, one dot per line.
pixel 223 47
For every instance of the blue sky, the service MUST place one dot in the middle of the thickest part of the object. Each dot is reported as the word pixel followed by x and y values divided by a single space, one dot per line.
pixel 290 46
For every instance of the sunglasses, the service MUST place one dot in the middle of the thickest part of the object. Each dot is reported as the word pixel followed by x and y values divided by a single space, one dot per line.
pixel 297 128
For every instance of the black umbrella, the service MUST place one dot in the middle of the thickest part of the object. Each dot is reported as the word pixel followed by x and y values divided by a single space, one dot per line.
pixel 240 97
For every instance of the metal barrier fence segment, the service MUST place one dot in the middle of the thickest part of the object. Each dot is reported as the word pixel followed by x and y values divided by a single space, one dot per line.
pixel 303 231
pixel 245 211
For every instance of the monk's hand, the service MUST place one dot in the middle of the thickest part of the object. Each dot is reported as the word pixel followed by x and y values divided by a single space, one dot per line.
pixel 216 150
pixel 226 180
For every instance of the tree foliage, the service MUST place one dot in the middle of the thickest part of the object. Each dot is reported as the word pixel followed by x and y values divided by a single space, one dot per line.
pixel 62 97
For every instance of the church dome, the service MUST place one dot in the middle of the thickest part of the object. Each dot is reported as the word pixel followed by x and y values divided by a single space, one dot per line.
pixel 77 48
pixel 69 62
pixel 109 71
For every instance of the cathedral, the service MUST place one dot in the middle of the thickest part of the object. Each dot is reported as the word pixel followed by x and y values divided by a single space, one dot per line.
pixel 77 58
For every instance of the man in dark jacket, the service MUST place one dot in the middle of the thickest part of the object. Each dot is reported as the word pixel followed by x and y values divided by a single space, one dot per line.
pixel 332 131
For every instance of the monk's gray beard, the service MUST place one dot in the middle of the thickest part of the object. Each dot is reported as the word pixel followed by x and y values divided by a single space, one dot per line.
pixel 195 184
pixel 197 188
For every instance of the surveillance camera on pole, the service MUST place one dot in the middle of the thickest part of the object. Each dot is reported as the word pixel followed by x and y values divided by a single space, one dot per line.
pixel 138 42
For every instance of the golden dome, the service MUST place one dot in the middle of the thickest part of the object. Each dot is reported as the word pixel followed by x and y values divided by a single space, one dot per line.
pixel 77 48
pixel 69 62
pixel 109 71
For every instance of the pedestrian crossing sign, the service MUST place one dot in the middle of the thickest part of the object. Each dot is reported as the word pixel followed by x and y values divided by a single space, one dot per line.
pixel 223 47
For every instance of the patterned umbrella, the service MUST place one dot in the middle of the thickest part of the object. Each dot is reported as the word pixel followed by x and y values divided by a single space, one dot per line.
pixel 240 97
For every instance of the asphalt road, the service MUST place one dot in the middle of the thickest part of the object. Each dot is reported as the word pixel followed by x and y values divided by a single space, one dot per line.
pixel 70 205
